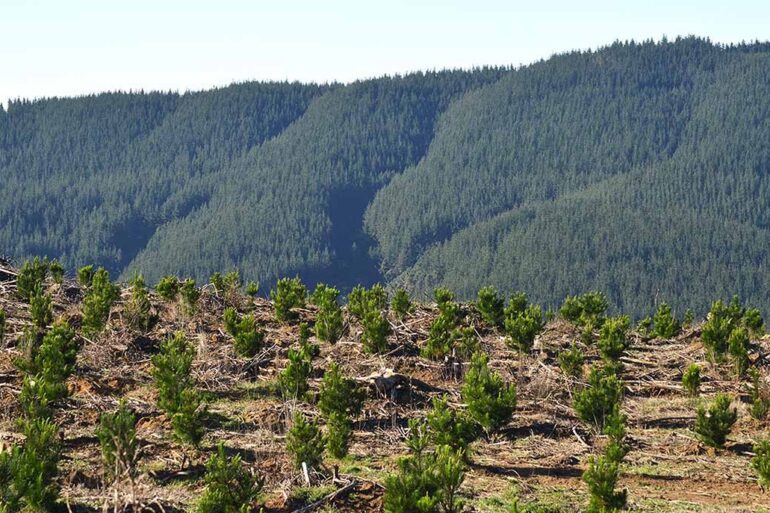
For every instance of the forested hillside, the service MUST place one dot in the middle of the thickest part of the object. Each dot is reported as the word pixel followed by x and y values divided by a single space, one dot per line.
pixel 637 169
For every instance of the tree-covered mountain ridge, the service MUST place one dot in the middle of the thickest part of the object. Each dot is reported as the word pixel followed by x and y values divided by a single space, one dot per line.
pixel 639 169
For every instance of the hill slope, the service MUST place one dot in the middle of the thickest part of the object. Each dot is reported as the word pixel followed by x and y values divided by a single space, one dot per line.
pixel 632 165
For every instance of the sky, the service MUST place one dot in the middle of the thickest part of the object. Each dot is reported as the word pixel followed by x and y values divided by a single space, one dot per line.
pixel 57 48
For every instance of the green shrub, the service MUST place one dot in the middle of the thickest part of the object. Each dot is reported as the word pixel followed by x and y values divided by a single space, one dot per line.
pixel 40 308
pixel 48 360
pixel 293 379
pixel 329 321
pixel 439 342
pixel 449 475
pixel 586 310
pixel 229 487
pixel 289 293
pixel 522 326
pixel 117 437
pixel 230 321
pixel 571 361
pixel 752 321
pixel 232 282
pixel 465 342
pixel 615 429
pixel 28 473
pixel 401 304
pixel 190 295
pixel 138 308
pixel 227 286
pixel 55 360
pixel 613 340
pixel 688 318
pixel 361 300
pixel 97 303
pixel 339 394
pixel 761 462
pixel 490 401
pixel 252 289
pixel 376 329
pixel 714 424
pixel 339 430
pixel 442 296
pixel 490 305
pixel 31 277
pixel 602 479
pixel 35 397
pixel 168 288
pixel 644 327
pixel 57 271
pixel 691 380
pixel 171 371
pixel 760 396
pixel 414 488
pixel 598 400
pixel 738 347
pixel 666 325
pixel 176 393
pixel 86 275
pixel 248 338
pixel 448 427
pixel 305 442
pixel 339 401
pixel 305 346
pixel 720 323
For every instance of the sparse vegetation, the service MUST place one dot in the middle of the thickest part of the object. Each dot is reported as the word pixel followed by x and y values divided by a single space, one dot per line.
pixel 759 395
pixel 177 395
pixel 168 288
pixel 362 300
pixel 761 462
pixel 587 310
pixel 713 424
pixel 31 278
pixel 446 435
pixel 490 401
pixel 289 293
pixel 27 473
pixel 491 306
pixel 522 325
pixel 691 380
pixel 602 480
pixel 138 309
pixel 230 488
pixel 401 304
pixel 666 325
pixel 329 322
pixel 117 437
pixel 305 442
pixel 190 294
pixel 571 361
pixel 595 403
pixel 85 275
pixel 96 305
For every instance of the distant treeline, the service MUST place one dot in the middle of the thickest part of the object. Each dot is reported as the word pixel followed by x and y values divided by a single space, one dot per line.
pixel 640 169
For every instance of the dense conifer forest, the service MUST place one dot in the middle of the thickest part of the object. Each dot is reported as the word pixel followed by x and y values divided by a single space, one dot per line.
pixel 638 169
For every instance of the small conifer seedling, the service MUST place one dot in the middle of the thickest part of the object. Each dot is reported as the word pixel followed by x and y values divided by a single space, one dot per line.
pixel 305 442
pixel 691 380
pixel 230 488
pixel 714 423
pixel 117 436
pixel 490 401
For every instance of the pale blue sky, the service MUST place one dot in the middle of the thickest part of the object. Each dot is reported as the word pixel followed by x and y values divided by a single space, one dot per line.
pixel 56 47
